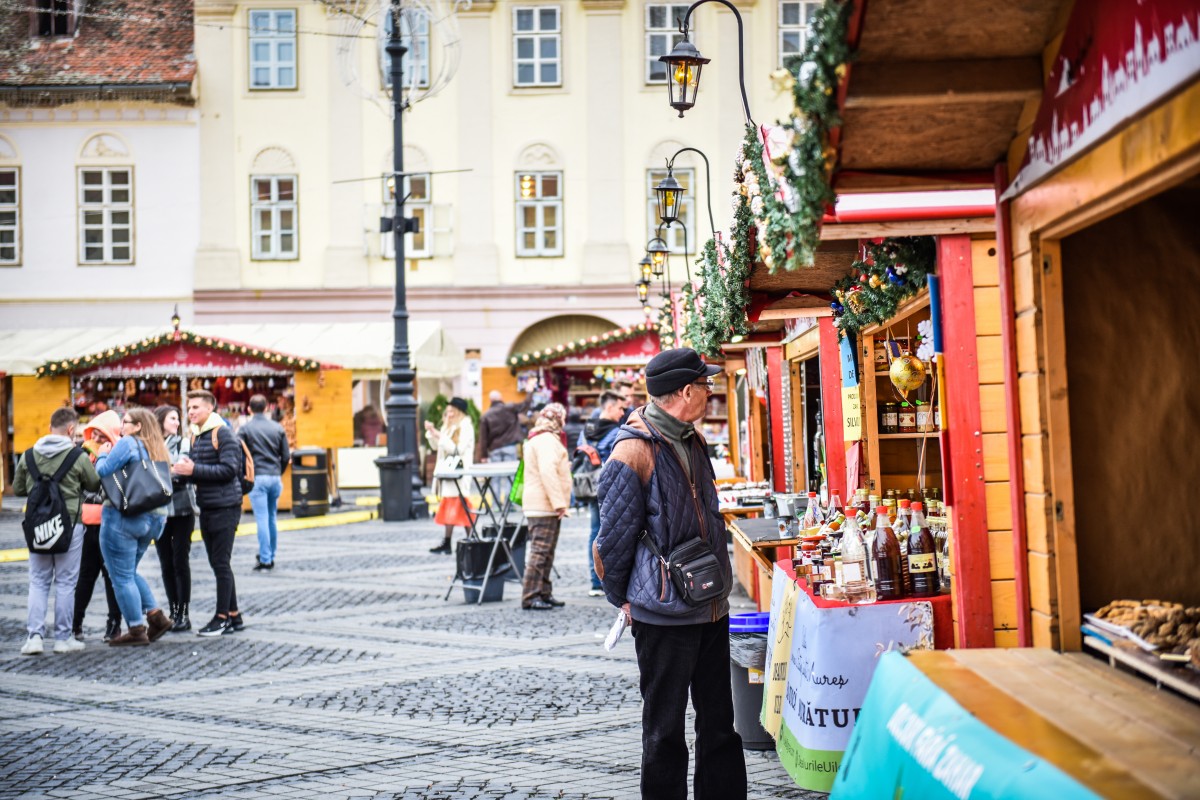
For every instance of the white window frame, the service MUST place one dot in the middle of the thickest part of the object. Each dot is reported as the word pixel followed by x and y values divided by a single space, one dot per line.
pixel 274 37
pixel 108 206
pixel 416 245
pixel 660 40
pixel 417 43
pixel 531 195
pixel 13 228
pixel 807 8
pixel 538 36
pixel 673 234
pixel 276 207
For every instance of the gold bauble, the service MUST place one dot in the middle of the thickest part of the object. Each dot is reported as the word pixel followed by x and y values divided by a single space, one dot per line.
pixel 874 282
pixel 907 373
pixel 855 302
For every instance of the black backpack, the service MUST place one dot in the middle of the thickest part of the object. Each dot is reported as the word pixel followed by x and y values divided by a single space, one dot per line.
pixel 48 524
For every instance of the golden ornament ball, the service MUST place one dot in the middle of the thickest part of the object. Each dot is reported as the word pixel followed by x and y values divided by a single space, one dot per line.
pixel 855 303
pixel 874 282
pixel 907 373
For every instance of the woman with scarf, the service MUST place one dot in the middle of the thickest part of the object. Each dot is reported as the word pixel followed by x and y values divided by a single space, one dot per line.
pixel 104 428
pixel 175 545
pixel 547 496
pixel 455 446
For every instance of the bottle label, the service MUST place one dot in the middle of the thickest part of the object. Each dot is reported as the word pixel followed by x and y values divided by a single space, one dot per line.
pixel 852 571
pixel 921 562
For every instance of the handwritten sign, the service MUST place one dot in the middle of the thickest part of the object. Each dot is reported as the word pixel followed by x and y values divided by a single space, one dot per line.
pixel 849 363
pixel 779 643
pixel 851 415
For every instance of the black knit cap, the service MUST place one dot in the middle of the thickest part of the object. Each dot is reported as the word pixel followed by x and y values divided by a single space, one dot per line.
pixel 673 369
pixel 459 403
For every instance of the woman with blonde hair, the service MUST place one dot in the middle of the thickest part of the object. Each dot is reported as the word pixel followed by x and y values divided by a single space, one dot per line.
pixel 455 446
pixel 547 495
pixel 125 537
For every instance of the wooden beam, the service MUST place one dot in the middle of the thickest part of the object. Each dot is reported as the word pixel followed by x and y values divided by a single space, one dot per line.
pixel 831 410
pixel 854 181
pixel 962 439
pixel 779 467
pixel 922 227
pixel 795 313
pixel 923 83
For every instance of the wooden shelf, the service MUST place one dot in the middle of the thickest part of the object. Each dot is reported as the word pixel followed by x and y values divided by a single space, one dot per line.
pixel 1178 677
pixel 928 435
pixel 906 309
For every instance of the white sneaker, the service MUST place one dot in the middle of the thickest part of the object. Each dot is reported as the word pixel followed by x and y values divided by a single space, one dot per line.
pixel 595 593
pixel 32 646
pixel 71 645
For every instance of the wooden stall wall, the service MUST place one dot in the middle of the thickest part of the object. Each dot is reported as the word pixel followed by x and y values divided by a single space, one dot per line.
pixel 323 409
pixel 34 400
pixel 1134 411
pixel 1156 151
pixel 502 380
pixel 985 271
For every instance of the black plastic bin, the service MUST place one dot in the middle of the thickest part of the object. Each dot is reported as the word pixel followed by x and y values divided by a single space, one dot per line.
pixel 310 482
pixel 472 558
pixel 748 657
pixel 516 540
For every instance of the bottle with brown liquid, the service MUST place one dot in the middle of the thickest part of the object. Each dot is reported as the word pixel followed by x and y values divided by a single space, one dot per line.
pixel 900 525
pixel 922 556
pixel 885 559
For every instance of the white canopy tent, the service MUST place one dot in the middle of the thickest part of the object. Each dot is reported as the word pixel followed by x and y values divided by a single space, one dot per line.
pixel 365 348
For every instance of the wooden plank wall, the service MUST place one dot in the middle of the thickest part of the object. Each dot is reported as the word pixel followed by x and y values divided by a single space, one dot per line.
pixel 34 400
pixel 502 380
pixel 997 488
pixel 1115 174
pixel 323 409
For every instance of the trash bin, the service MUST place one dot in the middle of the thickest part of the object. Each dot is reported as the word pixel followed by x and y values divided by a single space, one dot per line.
pixel 472 558
pixel 748 657
pixel 310 482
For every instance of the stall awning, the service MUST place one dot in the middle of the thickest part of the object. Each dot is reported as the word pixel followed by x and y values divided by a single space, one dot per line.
pixel 362 347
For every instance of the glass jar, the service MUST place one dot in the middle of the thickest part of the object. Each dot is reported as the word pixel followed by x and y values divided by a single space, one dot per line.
pixel 906 418
pixel 888 420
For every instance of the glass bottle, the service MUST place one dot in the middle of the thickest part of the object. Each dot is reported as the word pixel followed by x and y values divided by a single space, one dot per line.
pixel 922 556
pixel 885 558
pixel 855 582
pixel 812 515
pixel 900 526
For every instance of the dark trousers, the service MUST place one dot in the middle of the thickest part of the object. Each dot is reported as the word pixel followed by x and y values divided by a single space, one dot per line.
pixel 539 558
pixel 673 659
pixel 174 554
pixel 91 566
pixel 217 528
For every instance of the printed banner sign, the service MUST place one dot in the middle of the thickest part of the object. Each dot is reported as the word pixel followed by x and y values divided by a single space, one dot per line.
pixel 851 415
pixel 914 740
pixel 1117 58
pixel 849 363
pixel 829 667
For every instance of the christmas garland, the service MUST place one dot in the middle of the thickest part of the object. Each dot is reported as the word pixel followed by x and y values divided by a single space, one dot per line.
pixel 578 345
pixel 113 354
pixel 791 219
pixel 666 323
pixel 890 272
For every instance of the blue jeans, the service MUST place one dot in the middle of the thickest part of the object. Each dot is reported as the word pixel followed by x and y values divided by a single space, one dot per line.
pixel 264 501
pixel 595 504
pixel 123 542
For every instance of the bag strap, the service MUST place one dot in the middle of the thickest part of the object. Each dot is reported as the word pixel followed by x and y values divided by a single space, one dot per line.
pixel 34 472
pixel 645 536
pixel 66 465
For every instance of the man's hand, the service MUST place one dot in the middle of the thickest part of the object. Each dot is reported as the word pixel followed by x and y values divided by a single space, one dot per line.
pixel 183 466
pixel 628 616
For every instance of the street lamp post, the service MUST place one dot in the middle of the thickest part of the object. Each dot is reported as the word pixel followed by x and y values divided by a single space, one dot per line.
pixel 399 486
pixel 670 192
pixel 684 64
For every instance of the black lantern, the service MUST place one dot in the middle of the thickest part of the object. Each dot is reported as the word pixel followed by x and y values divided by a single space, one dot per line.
pixel 684 63
pixel 658 251
pixel 643 290
pixel 646 267
pixel 648 310
pixel 175 317
pixel 670 198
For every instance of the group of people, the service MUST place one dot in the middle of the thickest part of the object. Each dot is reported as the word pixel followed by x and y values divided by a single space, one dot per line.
pixel 207 470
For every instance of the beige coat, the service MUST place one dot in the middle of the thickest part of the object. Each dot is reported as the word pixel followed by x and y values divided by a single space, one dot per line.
pixel 455 450
pixel 547 475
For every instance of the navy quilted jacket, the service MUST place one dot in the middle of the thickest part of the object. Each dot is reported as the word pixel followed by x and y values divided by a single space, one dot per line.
pixel 644 487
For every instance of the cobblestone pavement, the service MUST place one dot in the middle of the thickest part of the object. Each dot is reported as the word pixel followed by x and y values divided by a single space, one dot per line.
pixel 352 679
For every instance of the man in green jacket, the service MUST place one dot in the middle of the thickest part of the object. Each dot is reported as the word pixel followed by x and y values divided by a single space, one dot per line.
pixel 63 568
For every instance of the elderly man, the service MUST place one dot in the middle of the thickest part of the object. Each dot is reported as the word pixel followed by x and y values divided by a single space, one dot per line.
pixel 659 481
pixel 500 430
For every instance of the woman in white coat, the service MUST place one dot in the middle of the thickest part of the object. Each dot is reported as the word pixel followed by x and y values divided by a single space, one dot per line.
pixel 455 446
pixel 547 496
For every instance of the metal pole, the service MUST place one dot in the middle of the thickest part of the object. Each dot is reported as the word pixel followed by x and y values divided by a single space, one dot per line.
pixel 399 487
pixel 707 179
pixel 741 57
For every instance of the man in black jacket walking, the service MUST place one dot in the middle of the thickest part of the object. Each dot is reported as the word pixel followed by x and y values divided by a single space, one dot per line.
pixel 268 446
pixel 214 466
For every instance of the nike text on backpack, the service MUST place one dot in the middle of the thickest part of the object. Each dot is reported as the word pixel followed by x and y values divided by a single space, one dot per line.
pixel 247 477
pixel 586 475
pixel 48 525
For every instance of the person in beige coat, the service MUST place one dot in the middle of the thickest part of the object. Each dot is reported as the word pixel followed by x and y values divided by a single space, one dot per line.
pixel 547 496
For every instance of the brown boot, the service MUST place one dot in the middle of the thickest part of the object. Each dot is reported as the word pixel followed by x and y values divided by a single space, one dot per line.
pixel 158 623
pixel 135 636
